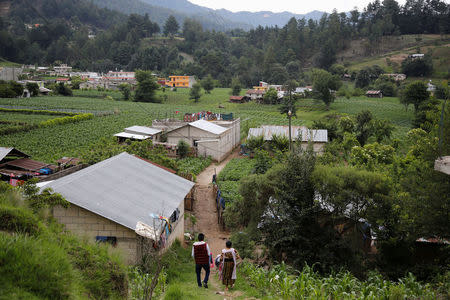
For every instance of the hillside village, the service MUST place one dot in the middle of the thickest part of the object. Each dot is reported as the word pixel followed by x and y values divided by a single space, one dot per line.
pixel 320 149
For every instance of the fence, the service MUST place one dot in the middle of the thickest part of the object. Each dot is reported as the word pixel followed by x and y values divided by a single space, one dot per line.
pixel 220 204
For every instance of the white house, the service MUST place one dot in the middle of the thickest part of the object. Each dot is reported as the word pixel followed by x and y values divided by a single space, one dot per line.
pixel 210 138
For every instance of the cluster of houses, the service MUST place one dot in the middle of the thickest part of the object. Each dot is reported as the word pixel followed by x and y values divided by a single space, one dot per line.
pixel 257 92
pixel 91 80
pixel 213 135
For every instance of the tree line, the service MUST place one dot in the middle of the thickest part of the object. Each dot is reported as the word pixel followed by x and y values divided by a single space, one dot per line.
pixel 273 54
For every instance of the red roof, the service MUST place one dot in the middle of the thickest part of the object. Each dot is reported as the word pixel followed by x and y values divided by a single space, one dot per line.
pixel 62 79
pixel 373 92
pixel 236 97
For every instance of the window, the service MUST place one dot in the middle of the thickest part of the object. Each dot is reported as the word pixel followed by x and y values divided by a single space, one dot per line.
pixel 107 239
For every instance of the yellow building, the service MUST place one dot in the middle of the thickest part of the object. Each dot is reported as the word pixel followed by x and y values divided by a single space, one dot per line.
pixel 260 88
pixel 181 81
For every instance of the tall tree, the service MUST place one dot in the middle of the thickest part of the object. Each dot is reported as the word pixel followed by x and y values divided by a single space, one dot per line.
pixel 235 86
pixel 171 26
pixel 195 92
pixel 415 93
pixel 207 84
pixel 146 87
pixel 325 86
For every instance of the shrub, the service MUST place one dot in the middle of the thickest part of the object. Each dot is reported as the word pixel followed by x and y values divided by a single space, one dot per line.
pixel 63 89
pixel 183 148
pixel 256 142
pixel 280 142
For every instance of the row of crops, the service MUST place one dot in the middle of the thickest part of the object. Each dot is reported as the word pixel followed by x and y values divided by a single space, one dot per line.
pixel 282 283
pixel 24 120
pixel 229 178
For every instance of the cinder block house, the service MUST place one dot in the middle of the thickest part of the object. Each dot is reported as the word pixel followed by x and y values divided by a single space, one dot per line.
pixel 125 200
pixel 212 138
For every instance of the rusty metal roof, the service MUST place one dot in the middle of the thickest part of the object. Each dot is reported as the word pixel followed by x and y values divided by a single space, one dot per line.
pixel 236 97
pixel 10 151
pixel 267 131
pixel 27 164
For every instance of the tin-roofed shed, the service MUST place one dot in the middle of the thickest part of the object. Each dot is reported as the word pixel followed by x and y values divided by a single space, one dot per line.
pixel 109 200
pixel 318 137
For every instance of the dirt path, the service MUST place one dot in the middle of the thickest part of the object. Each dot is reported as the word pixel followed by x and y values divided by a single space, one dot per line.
pixel 206 214
pixel 205 206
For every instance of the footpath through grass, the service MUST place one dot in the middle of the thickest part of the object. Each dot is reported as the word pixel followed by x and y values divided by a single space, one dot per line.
pixel 182 282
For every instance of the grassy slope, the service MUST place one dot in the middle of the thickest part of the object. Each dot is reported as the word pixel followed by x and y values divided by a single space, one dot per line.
pixel 398 48
pixel 52 143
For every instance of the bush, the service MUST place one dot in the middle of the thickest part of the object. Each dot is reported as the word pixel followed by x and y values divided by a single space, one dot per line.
pixel 63 89
pixel 256 142
pixel 183 148
pixel 357 92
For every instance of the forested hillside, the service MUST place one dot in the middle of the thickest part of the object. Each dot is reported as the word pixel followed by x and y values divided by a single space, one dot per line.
pixel 272 54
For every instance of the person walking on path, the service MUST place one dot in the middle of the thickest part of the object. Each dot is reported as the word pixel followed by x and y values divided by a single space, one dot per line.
pixel 201 254
pixel 228 257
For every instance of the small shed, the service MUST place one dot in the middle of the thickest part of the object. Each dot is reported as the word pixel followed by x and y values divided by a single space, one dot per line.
pixel 374 94
pixel 238 99
pixel 127 201
pixel 139 133
pixel 318 137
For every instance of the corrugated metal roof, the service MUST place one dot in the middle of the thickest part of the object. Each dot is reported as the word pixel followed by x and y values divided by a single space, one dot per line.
pixel 373 92
pixel 315 135
pixel 6 151
pixel 27 164
pixel 143 130
pixel 124 189
pixel 133 136
pixel 208 126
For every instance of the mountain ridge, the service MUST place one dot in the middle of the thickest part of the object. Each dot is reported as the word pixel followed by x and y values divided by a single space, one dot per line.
pixel 211 19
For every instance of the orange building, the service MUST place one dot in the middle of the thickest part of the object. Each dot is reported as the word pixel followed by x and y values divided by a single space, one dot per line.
pixel 181 81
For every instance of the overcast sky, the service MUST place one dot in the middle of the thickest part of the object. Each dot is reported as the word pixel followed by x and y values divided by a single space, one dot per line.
pixel 295 6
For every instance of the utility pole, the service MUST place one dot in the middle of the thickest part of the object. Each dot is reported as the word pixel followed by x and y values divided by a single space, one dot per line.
pixel 290 138
pixel 290 117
